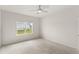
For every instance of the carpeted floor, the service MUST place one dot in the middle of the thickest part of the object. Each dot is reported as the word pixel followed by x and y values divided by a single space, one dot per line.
pixel 37 46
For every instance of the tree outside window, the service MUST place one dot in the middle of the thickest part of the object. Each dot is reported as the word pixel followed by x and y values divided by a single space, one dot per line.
pixel 24 28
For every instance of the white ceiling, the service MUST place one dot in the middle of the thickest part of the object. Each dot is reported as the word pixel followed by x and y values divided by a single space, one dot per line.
pixel 30 9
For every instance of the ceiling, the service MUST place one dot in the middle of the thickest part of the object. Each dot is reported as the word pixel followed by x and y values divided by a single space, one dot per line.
pixel 30 9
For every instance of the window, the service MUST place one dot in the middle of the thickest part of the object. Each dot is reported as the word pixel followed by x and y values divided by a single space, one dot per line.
pixel 23 28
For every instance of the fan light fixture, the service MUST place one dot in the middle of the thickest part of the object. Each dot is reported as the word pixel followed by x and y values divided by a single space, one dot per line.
pixel 40 9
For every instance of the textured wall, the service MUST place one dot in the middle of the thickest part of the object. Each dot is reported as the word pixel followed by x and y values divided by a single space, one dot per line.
pixel 9 27
pixel 61 27
pixel 0 29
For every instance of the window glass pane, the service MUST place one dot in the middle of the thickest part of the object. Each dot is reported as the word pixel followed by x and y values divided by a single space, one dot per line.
pixel 24 28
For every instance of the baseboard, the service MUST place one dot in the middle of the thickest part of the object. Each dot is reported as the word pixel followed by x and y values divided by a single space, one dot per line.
pixel 18 42
pixel 62 45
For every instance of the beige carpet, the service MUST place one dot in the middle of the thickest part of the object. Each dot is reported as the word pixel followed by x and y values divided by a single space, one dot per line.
pixel 37 46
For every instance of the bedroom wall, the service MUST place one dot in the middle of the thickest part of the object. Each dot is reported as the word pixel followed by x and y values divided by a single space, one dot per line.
pixel 0 29
pixel 78 34
pixel 61 27
pixel 9 27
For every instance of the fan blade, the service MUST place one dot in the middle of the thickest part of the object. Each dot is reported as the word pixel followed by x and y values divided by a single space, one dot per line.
pixel 44 11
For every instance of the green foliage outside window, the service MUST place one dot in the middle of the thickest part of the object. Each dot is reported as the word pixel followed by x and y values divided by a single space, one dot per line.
pixel 24 28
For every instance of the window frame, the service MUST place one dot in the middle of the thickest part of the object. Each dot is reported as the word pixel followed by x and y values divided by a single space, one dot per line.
pixel 24 33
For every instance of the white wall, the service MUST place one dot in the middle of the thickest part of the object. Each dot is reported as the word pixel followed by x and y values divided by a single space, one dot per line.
pixel 0 29
pixel 78 34
pixel 9 27
pixel 61 27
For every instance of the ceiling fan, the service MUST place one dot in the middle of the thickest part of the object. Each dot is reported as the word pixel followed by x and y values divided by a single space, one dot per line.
pixel 40 10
